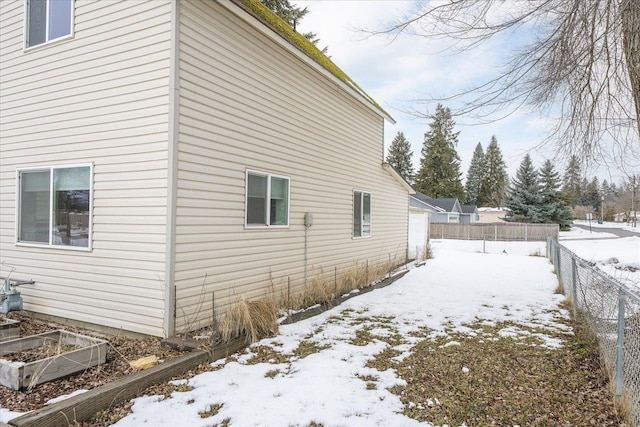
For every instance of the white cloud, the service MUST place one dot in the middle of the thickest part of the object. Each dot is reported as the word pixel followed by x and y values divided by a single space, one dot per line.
pixel 397 72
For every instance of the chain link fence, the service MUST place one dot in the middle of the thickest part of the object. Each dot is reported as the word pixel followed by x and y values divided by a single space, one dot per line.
pixel 613 312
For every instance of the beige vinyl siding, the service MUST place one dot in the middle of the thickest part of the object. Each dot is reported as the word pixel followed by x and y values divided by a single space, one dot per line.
pixel 100 97
pixel 246 102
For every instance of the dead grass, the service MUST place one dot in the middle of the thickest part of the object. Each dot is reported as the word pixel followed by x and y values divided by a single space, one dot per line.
pixel 427 253
pixel 211 410
pixel 258 319
pixel 51 347
pixel 253 319
pixel 509 381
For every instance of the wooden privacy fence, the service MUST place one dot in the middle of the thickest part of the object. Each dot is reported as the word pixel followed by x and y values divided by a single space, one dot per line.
pixel 499 231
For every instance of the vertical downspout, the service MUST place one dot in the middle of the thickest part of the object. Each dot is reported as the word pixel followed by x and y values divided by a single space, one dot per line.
pixel 172 172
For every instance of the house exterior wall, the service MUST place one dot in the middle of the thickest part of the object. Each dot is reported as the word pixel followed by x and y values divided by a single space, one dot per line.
pixel 488 216
pixel 249 102
pixel 245 101
pixel 445 217
pixel 418 231
pixel 100 98
pixel 469 218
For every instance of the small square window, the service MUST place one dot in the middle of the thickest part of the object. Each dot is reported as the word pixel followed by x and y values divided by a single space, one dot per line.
pixel 47 20
pixel 361 214
pixel 267 202
pixel 55 206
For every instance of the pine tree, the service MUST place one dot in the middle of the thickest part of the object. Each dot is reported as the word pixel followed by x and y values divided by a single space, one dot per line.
pixel 591 193
pixel 571 186
pixel 475 177
pixel 439 173
pixel 523 195
pixel 552 208
pixel 496 178
pixel 399 157
pixel 292 15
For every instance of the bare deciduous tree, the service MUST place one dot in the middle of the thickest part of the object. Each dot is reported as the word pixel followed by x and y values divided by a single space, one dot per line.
pixel 580 62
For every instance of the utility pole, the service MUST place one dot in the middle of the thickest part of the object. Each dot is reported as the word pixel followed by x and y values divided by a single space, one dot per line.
pixel 633 201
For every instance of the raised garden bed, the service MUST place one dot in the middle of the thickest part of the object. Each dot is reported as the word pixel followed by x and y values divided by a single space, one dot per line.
pixel 29 361
pixel 9 329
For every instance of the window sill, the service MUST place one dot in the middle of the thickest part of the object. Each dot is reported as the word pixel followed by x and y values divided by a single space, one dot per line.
pixel 27 49
pixel 47 246
pixel 265 227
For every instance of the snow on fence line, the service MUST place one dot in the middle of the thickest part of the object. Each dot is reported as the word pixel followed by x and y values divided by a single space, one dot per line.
pixel 502 231
pixel 612 311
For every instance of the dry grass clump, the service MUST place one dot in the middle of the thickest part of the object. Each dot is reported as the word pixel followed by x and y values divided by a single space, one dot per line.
pixel 427 252
pixel 259 318
pixel 324 287
pixel 252 319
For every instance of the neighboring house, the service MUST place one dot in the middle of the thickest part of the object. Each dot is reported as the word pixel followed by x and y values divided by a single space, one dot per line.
pixel 492 215
pixel 160 159
pixel 469 215
pixel 419 218
pixel 626 216
pixel 448 209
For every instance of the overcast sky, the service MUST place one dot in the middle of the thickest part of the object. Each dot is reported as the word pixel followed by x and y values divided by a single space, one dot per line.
pixel 396 72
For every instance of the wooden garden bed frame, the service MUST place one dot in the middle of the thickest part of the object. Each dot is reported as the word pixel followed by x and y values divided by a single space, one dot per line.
pixel 17 375
pixel 9 329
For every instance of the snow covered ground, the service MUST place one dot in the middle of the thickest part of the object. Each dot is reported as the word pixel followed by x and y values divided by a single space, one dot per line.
pixel 620 225
pixel 454 288
pixel 466 281
pixel 618 257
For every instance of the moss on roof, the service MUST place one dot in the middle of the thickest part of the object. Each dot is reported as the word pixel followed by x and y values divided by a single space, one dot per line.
pixel 260 11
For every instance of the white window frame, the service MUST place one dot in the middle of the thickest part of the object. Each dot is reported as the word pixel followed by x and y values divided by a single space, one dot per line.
pixel 47 40
pixel 365 226
pixel 50 243
pixel 268 199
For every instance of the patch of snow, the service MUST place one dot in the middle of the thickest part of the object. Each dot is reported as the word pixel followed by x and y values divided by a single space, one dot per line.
pixel 65 397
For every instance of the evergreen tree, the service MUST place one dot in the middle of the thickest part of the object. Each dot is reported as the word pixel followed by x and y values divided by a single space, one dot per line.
pixel 523 195
pixel 439 173
pixel 475 177
pixel 399 157
pixel 552 208
pixel 571 188
pixel 292 15
pixel 496 178
pixel 605 188
pixel 591 194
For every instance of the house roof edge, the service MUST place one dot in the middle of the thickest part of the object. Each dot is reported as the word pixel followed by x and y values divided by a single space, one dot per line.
pixel 400 179
pixel 256 9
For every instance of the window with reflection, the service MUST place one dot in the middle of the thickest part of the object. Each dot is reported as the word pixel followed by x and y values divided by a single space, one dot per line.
pixel 55 206
pixel 48 20
pixel 361 214
pixel 267 202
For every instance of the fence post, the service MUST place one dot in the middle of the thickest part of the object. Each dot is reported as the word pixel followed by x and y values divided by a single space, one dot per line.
pixel 559 253
pixel 620 344
pixel 367 278
pixel 495 231
pixel 526 232
pixel 574 286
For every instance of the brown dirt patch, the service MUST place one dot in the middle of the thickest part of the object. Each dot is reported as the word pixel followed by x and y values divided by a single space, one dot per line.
pixel 120 350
